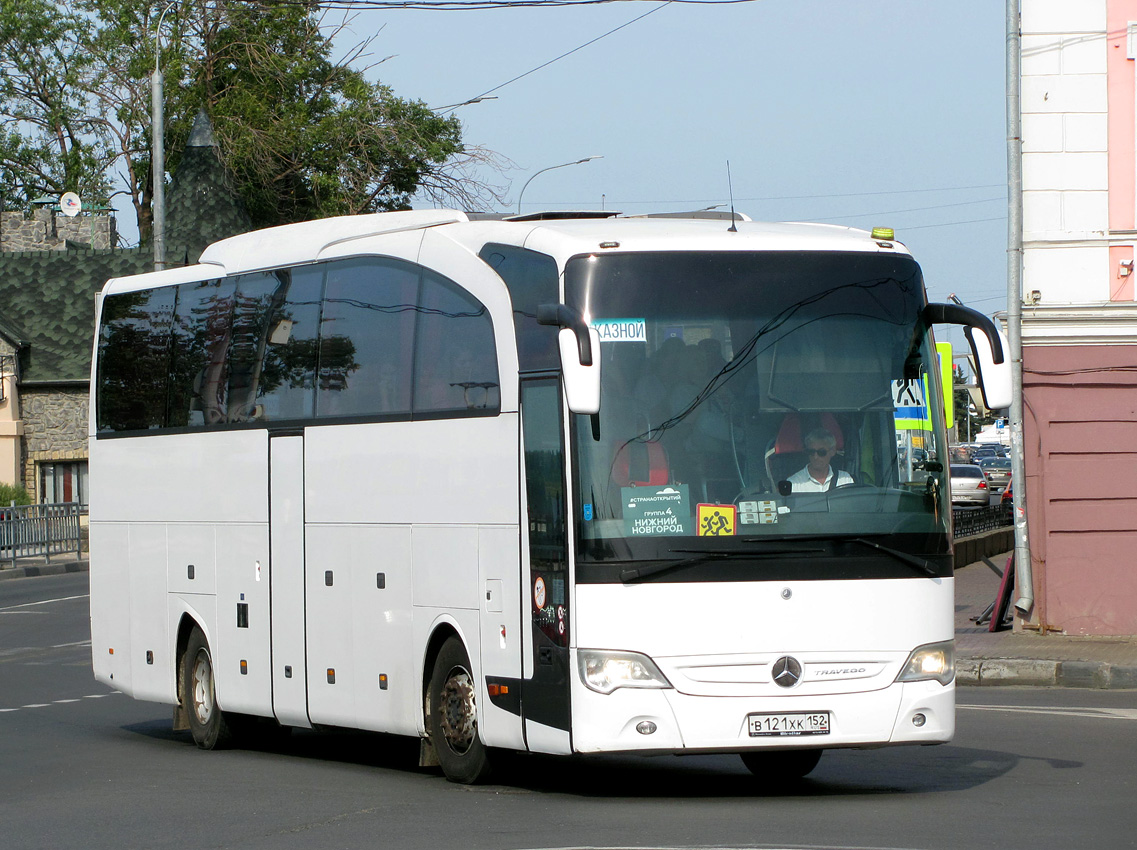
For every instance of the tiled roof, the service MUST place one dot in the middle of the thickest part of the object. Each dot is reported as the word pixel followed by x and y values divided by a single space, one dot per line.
pixel 50 296
pixel 47 298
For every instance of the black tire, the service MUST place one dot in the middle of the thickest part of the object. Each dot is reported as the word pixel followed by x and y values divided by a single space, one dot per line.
pixel 778 765
pixel 207 722
pixel 453 718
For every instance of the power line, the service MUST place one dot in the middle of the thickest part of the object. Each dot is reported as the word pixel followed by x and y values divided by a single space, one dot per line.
pixel 954 223
pixel 911 209
pixel 575 49
pixel 479 5
pixel 693 201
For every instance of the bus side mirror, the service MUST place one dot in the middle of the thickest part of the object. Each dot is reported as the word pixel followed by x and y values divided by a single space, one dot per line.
pixel 582 383
pixel 580 356
pixel 994 378
pixel 990 348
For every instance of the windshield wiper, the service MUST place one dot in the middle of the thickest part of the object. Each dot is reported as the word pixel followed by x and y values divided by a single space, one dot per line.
pixel 703 556
pixel 904 557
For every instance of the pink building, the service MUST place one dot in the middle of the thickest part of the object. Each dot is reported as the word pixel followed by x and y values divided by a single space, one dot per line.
pixel 1079 328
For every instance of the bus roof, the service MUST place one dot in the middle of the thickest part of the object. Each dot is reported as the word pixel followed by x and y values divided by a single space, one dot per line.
pixel 570 237
pixel 307 242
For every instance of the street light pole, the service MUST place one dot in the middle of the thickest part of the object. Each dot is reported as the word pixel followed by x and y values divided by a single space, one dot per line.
pixel 1024 577
pixel 158 149
pixel 550 168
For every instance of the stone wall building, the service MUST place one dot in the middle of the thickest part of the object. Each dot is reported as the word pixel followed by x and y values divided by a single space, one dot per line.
pixel 51 269
pixel 50 230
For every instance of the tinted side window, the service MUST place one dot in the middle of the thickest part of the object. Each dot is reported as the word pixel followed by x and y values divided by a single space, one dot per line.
pixel 199 379
pixel 455 358
pixel 531 278
pixel 289 301
pixel 366 334
pixel 134 360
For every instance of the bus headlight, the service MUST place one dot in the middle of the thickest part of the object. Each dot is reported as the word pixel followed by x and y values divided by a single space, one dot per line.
pixel 604 672
pixel 931 661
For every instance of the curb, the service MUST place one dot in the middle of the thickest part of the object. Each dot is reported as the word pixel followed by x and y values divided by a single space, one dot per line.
pixel 54 569
pixel 1039 673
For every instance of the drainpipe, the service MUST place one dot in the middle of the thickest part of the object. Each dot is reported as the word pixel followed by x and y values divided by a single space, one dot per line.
pixel 1024 578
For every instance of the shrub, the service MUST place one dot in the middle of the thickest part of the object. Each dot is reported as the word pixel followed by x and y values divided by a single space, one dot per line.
pixel 10 493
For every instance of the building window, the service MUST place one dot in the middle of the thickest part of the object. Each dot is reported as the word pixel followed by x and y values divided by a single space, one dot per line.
pixel 63 481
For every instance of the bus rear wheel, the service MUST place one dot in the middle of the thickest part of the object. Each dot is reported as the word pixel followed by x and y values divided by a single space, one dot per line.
pixel 775 765
pixel 454 716
pixel 207 722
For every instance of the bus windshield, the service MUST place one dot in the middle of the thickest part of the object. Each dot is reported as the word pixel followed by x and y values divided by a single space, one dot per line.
pixel 749 397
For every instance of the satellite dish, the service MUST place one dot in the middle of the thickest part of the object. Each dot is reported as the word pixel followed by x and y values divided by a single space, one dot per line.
pixel 69 204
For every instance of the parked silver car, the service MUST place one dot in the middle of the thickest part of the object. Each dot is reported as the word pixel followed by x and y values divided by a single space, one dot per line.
pixel 969 485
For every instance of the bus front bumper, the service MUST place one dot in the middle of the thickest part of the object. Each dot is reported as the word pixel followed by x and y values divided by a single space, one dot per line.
pixel 664 720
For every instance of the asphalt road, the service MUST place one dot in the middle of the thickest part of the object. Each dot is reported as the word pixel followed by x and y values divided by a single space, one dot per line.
pixel 83 767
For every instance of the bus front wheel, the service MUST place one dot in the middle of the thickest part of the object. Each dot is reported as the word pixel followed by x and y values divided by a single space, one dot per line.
pixel 776 765
pixel 207 722
pixel 454 716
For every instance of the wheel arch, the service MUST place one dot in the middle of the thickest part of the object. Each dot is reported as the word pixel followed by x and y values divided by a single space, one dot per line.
pixel 186 624
pixel 443 631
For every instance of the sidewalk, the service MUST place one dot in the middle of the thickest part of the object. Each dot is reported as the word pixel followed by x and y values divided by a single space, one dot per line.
pixel 27 567
pixel 1027 658
pixel 982 657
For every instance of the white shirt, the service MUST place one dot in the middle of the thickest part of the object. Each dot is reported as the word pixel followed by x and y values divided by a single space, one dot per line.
pixel 803 482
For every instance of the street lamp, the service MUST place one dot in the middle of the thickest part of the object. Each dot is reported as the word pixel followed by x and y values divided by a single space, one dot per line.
pixel 550 168
pixel 158 149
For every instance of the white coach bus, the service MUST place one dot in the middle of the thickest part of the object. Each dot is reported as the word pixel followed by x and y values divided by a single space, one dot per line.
pixel 545 485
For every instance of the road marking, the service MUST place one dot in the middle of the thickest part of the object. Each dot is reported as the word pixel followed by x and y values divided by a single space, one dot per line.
pixel 59 702
pixel 719 846
pixel 45 602
pixel 17 650
pixel 1104 713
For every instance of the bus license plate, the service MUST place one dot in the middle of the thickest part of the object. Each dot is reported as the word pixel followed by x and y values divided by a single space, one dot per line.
pixel 788 725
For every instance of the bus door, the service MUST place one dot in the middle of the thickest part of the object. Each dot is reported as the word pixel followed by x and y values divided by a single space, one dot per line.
pixel 286 579
pixel 545 696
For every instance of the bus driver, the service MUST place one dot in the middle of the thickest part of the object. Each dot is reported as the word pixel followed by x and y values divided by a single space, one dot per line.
pixel 817 475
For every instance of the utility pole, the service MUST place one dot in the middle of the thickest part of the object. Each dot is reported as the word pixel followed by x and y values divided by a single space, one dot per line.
pixel 1024 580
pixel 158 148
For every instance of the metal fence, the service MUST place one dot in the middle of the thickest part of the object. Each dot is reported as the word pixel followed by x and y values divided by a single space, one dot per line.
pixel 969 521
pixel 28 531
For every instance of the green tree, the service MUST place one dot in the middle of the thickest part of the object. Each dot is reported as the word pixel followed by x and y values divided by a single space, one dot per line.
pixel 306 134
pixel 50 139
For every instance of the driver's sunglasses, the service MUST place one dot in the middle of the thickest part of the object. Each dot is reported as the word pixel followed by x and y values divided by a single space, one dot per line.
pixel 819 452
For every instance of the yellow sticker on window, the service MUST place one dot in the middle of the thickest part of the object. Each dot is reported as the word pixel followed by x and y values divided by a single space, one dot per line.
pixel 715 520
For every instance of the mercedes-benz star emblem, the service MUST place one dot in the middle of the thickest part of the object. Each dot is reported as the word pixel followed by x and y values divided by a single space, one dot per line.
pixel 787 671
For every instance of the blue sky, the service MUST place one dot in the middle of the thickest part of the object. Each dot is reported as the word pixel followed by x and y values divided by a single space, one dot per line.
pixel 844 111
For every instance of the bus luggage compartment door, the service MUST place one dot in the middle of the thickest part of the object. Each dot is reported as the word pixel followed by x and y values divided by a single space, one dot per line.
pixel 286 577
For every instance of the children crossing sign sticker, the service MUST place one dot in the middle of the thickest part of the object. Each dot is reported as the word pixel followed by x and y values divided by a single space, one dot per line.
pixel 909 400
pixel 715 520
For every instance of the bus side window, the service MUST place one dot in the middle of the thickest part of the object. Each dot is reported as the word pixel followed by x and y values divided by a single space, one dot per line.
pixel 200 358
pixel 455 358
pixel 365 338
pixel 289 302
pixel 134 360
pixel 531 278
